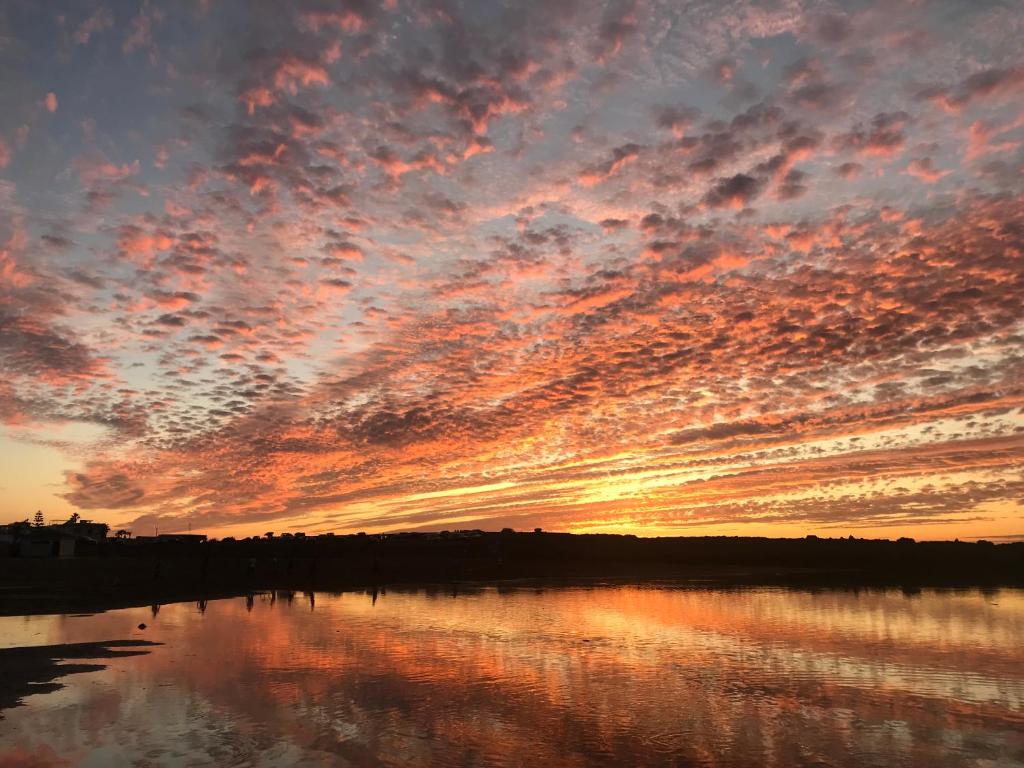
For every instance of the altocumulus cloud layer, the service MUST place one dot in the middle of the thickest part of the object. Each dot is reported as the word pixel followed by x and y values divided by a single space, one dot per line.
pixel 650 266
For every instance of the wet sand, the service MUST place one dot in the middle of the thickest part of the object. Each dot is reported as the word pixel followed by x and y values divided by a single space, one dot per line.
pixel 36 669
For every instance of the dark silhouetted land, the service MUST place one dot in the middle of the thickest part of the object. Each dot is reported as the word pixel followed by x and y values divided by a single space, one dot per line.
pixel 139 572
pixel 25 671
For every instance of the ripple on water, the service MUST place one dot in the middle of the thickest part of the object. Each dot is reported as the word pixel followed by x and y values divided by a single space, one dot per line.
pixel 614 675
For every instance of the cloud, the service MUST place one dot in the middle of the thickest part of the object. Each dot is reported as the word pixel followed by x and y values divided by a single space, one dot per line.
pixel 922 168
pixel 734 192
pixel 353 18
pixel 101 19
pixel 884 136
pixel 352 263
pixel 621 156
pixel 849 170
pixel 991 83
pixel 617 26
pixel 675 118
pixel 832 28
pixel 29 348
pixel 140 29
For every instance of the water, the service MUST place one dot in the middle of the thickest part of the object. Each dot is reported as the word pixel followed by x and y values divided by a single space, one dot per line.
pixel 559 676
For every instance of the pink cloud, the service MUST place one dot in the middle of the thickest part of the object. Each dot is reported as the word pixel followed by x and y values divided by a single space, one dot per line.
pixel 293 72
pixel 412 255
pixel 621 157
pixel 348 20
pixel 100 20
pixel 922 168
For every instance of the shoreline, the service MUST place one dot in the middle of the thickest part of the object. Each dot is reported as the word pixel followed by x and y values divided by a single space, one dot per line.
pixel 34 669
pixel 35 601
pixel 145 572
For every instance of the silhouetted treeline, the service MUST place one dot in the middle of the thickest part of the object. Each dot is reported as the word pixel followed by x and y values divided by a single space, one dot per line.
pixel 120 569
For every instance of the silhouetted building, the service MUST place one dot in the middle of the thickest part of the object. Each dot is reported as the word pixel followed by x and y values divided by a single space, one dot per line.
pixel 178 538
pixel 24 539
pixel 83 529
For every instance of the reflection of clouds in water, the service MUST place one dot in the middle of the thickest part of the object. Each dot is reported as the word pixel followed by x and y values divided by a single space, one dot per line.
pixel 555 676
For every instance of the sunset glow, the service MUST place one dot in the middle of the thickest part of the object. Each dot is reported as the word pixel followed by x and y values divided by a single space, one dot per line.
pixel 637 267
pixel 492 672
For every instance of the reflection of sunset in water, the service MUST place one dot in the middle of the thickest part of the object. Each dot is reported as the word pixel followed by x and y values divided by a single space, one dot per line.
pixel 552 676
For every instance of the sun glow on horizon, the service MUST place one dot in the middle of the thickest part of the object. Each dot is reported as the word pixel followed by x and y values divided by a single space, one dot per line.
pixel 586 267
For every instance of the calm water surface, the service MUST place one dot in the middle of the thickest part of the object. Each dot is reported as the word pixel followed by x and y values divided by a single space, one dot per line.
pixel 609 675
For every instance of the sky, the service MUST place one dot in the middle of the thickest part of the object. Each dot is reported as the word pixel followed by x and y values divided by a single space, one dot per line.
pixel 663 268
